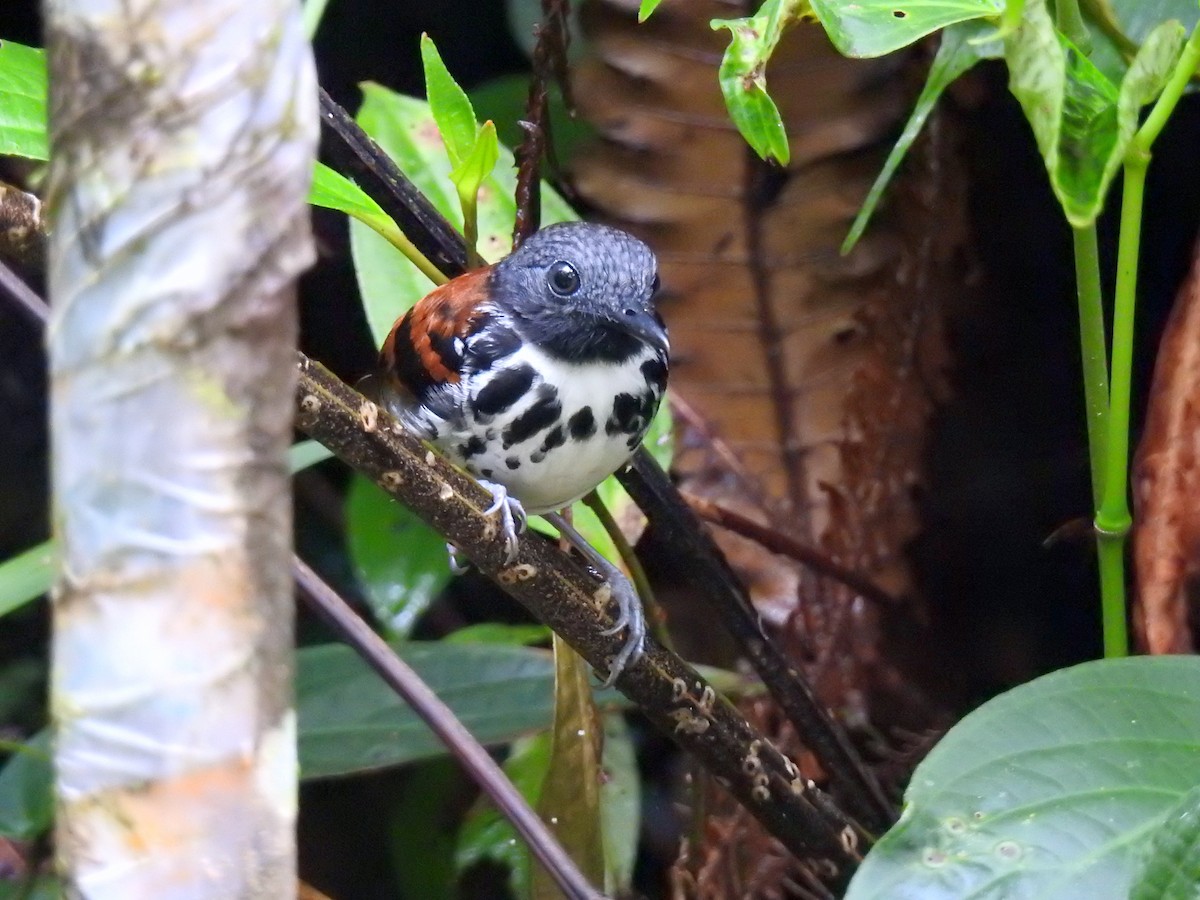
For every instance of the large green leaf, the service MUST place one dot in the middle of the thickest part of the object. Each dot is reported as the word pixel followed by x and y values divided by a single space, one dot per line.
pixel 1052 790
pixel 350 721
pixel 401 562
pixel 23 101
pixel 876 27
pixel 620 806
pixel 1134 20
pixel 449 104
pixel 404 127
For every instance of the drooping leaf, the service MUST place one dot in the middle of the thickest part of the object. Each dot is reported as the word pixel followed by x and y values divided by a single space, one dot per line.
pixel 421 828
pixel 570 797
pixel 449 104
pixel 876 27
pixel 500 633
pixel 23 128
pixel 1119 27
pixel 1053 789
pixel 400 561
pixel 743 76
pixel 1082 121
pixel 27 790
pixel 1171 868
pixel 962 45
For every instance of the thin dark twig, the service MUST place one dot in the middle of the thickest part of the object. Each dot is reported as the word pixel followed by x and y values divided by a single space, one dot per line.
pixel 712 578
pixel 785 545
pixel 381 179
pixel 400 677
pixel 23 294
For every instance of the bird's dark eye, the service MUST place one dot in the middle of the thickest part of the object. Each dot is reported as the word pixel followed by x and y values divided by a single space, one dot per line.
pixel 562 278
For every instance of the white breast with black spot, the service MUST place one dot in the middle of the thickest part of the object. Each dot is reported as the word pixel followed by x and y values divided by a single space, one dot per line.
pixel 571 425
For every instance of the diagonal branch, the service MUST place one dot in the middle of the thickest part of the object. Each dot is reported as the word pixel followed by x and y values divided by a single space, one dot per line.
pixel 571 601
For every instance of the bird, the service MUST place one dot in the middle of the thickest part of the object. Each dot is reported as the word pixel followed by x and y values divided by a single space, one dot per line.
pixel 539 375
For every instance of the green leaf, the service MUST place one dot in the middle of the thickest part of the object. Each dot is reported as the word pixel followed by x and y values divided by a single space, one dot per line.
pixel 487 836
pixel 303 454
pixel 1119 27
pixel 743 77
pixel 405 129
pixel 449 104
pixel 421 829
pixel 27 790
pixel 646 9
pixel 876 27
pixel 961 47
pixel 23 128
pixel 570 797
pixel 332 190
pixel 1052 790
pixel 1171 868
pixel 401 562
pixel 34 887
pixel 26 577
pixel 350 721
pixel 477 165
pixel 499 633
pixel 620 806
pixel 1081 121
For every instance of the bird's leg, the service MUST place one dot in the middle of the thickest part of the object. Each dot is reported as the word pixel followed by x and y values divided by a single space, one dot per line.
pixel 509 512
pixel 629 605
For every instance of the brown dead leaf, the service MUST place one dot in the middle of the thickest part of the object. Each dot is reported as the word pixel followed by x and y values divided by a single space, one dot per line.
pixel 1166 484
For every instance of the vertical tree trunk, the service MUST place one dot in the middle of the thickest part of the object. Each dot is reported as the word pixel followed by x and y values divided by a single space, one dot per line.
pixel 183 135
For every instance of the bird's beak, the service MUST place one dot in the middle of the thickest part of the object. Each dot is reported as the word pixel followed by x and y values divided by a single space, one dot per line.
pixel 645 323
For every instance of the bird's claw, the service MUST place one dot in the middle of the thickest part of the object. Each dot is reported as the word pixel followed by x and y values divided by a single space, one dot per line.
pixel 510 513
pixel 459 564
pixel 629 615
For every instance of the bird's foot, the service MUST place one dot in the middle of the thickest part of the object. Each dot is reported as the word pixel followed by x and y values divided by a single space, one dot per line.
pixel 459 564
pixel 629 604
pixel 509 514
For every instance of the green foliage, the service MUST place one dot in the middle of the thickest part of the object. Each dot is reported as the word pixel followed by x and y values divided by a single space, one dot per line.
pixel 646 9
pixel 449 104
pixel 23 101
pixel 351 722
pixel 1171 867
pixel 878 27
pixel 743 76
pixel 26 577
pixel 500 633
pixel 421 829
pixel 1082 122
pixel 27 790
pixel 1058 788
pixel 401 562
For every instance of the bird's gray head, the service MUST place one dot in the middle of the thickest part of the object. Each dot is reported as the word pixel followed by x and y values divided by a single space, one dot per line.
pixel 582 292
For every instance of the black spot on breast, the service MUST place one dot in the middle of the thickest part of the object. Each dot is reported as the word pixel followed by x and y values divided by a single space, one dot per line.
pixel 556 438
pixel 655 373
pixel 536 456
pixel 543 413
pixel 582 425
pixel 490 344
pixel 472 447
pixel 512 462
pixel 633 440
pixel 486 473
pixel 626 416
pixel 506 388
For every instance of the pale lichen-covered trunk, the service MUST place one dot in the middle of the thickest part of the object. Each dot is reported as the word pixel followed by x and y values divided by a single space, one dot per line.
pixel 183 135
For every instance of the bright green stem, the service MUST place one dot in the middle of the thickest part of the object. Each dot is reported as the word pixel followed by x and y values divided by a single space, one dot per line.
pixel 1113 519
pixel 1094 346
pixel 654 616
pixel 469 201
